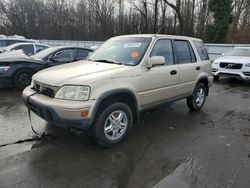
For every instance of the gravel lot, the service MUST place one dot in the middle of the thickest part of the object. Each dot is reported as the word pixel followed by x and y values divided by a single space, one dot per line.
pixel 170 147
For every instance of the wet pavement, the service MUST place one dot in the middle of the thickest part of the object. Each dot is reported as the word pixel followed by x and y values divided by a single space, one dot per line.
pixel 171 147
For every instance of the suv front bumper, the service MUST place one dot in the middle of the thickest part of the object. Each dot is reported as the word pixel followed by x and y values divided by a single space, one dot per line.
pixel 62 113
pixel 232 74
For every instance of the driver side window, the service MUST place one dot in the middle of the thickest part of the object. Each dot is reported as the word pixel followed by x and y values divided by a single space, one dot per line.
pixel 64 56
pixel 163 47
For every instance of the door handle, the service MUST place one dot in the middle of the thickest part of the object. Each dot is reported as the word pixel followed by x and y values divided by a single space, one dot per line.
pixel 173 72
pixel 198 68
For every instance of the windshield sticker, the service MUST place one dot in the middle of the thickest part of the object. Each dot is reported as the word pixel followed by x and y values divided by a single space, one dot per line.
pixel 132 45
pixel 134 55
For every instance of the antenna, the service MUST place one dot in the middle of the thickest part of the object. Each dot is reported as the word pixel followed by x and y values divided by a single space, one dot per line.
pixel 160 29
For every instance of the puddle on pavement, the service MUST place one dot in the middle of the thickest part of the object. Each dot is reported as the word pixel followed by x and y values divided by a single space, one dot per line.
pixel 182 177
pixel 15 149
pixel 24 145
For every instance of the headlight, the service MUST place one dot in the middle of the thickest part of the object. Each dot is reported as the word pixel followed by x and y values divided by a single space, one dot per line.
pixel 76 93
pixel 215 62
pixel 247 65
pixel 4 68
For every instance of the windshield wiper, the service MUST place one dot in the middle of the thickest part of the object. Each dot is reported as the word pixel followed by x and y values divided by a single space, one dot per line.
pixel 108 61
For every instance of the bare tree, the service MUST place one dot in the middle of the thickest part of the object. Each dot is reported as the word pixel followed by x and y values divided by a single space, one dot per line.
pixel 177 9
pixel 101 19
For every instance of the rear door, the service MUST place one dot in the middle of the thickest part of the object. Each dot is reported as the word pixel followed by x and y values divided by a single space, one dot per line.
pixel 189 68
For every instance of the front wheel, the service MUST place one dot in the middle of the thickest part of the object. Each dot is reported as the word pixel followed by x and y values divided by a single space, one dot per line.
pixel 113 124
pixel 198 98
pixel 216 78
pixel 22 78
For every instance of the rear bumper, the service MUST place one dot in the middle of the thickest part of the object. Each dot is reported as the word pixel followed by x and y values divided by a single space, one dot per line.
pixel 59 112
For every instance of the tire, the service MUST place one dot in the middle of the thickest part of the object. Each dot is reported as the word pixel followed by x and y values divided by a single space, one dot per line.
pixel 198 98
pixel 22 78
pixel 106 133
pixel 216 78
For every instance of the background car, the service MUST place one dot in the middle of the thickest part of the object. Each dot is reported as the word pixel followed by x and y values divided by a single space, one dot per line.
pixel 17 71
pixel 28 48
pixel 235 64
pixel 4 42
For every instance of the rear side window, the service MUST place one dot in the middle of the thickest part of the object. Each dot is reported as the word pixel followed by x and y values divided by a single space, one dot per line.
pixel 65 56
pixel 82 54
pixel 185 53
pixel 202 51
pixel 3 43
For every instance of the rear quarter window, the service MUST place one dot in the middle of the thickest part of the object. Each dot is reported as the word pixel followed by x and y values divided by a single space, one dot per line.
pixel 201 49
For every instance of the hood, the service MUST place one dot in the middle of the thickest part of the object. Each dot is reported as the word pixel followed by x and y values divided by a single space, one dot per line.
pixel 75 73
pixel 234 59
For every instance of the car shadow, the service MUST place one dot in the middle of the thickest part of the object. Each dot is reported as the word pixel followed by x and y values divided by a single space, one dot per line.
pixel 74 155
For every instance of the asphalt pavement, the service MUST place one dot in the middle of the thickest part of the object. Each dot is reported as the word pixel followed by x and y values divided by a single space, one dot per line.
pixel 171 147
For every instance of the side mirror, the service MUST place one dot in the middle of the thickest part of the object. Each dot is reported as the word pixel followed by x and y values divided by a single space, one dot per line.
pixel 52 58
pixel 156 60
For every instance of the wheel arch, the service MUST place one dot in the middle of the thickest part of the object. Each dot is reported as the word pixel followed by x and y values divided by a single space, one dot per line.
pixel 118 95
pixel 205 81
pixel 20 69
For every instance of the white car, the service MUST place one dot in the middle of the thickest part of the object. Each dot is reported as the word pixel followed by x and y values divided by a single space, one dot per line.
pixel 235 64
pixel 27 48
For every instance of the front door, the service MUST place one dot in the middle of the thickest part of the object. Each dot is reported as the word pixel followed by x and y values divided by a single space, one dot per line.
pixel 160 83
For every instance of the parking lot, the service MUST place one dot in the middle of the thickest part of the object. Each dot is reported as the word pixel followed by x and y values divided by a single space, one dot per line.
pixel 170 147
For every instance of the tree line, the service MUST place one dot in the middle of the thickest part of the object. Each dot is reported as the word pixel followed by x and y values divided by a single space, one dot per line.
pixel 212 20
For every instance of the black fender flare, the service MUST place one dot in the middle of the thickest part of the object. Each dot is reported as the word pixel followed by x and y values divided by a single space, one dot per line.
pixel 114 92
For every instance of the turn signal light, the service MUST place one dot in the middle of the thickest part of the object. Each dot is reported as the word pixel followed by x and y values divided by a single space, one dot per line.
pixel 85 113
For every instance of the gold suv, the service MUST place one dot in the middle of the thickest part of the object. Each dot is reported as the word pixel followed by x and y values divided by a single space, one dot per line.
pixel 125 76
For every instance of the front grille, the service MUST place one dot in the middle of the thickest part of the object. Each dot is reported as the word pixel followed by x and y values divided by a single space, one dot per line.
pixel 246 73
pixel 231 65
pixel 44 89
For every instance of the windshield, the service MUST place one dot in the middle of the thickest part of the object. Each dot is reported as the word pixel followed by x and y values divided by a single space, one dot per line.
pixel 240 52
pixel 127 51
pixel 44 53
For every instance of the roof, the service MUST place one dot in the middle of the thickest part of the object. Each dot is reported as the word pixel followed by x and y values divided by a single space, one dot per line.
pixel 160 36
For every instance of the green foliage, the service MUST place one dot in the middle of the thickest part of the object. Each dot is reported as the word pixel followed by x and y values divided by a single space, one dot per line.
pixel 222 14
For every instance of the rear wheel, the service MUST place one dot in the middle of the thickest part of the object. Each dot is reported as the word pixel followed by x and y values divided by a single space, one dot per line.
pixel 113 124
pixel 216 78
pixel 22 78
pixel 197 100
